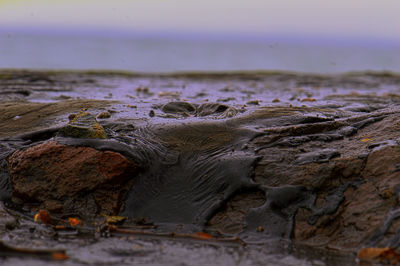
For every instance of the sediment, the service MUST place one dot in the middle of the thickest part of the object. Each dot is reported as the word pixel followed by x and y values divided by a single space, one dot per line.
pixel 219 154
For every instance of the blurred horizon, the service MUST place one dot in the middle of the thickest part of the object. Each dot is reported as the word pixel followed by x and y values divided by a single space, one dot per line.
pixel 199 35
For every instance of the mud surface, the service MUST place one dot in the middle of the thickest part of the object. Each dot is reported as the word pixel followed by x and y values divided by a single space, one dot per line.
pixel 278 167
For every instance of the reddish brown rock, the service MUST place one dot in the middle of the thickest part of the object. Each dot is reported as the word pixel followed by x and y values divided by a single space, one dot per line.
pixel 71 179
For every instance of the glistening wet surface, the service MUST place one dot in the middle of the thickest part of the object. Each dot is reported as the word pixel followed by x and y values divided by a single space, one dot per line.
pixel 235 155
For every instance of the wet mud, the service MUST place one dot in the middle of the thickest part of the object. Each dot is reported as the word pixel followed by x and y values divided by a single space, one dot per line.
pixel 255 157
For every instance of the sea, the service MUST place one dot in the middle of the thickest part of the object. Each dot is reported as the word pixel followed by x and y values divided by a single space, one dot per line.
pixel 171 52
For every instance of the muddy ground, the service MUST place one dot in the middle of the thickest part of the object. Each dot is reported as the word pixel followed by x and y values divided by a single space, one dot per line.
pixel 221 168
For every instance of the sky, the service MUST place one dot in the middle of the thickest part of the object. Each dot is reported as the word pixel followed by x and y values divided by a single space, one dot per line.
pixel 374 19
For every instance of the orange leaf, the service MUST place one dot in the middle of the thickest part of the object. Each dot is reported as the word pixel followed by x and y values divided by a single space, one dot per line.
pixel 391 256
pixel 74 221
pixel 371 253
pixel 59 256
pixel 366 140
pixel 42 217
pixel 60 227
pixel 202 235
pixel 308 100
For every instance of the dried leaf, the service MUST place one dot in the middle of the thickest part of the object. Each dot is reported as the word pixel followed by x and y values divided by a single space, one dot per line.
pixel 115 219
pixel 59 256
pixel 42 216
pixel 202 235
pixel 169 94
pixel 371 253
pixel 381 254
pixel 366 140
pixel 390 255
pixel 308 100
pixel 74 221
pixel 60 227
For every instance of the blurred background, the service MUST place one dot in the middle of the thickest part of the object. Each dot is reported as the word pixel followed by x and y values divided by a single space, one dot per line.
pixel 209 35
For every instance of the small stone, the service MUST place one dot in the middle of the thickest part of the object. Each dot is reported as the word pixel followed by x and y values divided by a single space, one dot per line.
pixel 144 90
pixel 71 117
pixel 103 115
pixel 387 193
pixel 151 113
pixel 84 125
pixel 169 94
pixel 254 102
pixel 7 221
